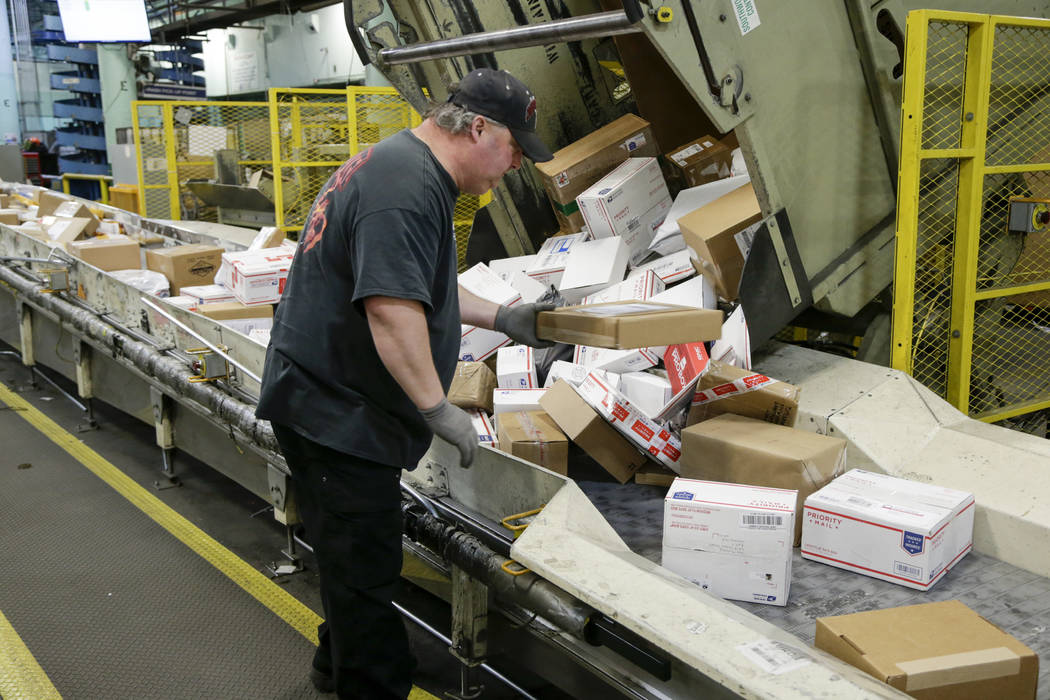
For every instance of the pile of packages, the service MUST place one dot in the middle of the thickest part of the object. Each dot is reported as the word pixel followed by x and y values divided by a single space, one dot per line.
pixel 236 289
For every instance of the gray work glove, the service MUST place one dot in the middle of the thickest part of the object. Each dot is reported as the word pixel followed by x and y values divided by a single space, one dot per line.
pixel 519 323
pixel 452 424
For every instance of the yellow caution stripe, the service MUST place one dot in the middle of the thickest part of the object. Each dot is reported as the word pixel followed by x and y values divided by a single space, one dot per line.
pixel 21 677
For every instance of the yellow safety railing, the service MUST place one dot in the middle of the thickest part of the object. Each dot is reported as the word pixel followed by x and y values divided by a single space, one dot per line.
pixel 971 315
pixel 102 180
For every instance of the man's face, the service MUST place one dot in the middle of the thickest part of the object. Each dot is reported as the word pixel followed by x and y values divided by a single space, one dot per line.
pixel 494 152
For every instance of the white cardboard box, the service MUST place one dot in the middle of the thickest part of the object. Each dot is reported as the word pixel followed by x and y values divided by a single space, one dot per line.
pixel 618 361
pixel 593 266
pixel 732 540
pixel 260 335
pixel 208 293
pixel 504 400
pixel 516 368
pixel 183 302
pixel 575 374
pixel 255 276
pixel 901 531
pixel 529 289
pixel 648 392
pixel 642 286
pixel 476 344
pixel 549 265
pixel 697 292
pixel 630 202
pixel 504 268
pixel 734 347
pixel 648 436
pixel 248 325
pixel 672 268
pixel 483 426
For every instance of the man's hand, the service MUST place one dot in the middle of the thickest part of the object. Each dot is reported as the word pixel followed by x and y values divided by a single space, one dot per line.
pixel 452 424
pixel 519 323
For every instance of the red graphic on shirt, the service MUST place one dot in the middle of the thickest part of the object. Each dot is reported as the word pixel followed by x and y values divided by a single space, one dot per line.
pixel 318 222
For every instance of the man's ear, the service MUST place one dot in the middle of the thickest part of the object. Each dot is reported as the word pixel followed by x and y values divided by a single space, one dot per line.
pixel 477 126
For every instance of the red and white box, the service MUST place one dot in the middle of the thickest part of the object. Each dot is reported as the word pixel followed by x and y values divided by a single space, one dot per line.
pixel 888 528
pixel 732 540
pixel 575 374
pixel 648 392
pixel 476 344
pixel 255 276
pixel 549 264
pixel 672 268
pixel 646 434
pixel 509 400
pixel 208 293
pixel 516 368
pixel 483 427
pixel 642 286
pixel 618 361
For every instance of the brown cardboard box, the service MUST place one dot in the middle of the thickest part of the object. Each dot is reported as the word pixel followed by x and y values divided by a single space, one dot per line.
pixel 9 217
pixel 226 310
pixel 582 163
pixel 629 324
pixel 48 201
pixel 584 426
pixel 700 161
pixel 741 450
pixel 113 253
pixel 186 265
pixel 725 388
pixel 472 386
pixel 711 231
pixel 62 230
pixel 533 436
pixel 5 201
pixel 655 475
pixel 933 651
pixel 71 210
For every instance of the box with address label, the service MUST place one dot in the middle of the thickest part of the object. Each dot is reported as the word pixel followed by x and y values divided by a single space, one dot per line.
pixel 732 540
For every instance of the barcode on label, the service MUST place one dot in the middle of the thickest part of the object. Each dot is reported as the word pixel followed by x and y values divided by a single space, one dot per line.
pixel 902 568
pixel 857 501
pixel 773 656
pixel 761 520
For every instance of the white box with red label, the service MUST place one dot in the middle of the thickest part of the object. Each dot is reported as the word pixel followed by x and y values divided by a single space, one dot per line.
pixel 255 276
pixel 515 368
pixel 642 286
pixel 672 268
pixel 646 434
pixel 900 531
pixel 483 427
pixel 549 264
pixel 208 293
pixel 732 540
pixel 476 344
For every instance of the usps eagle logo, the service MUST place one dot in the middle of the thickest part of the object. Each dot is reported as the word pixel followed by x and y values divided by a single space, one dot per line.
pixel 530 109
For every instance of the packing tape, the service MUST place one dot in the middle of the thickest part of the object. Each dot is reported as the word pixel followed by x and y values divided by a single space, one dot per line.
pixel 734 388
pixel 533 433
pixel 968 666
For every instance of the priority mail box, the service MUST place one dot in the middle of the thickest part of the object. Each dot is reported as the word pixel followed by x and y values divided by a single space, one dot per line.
pixel 534 437
pixel 592 266
pixel 629 324
pixel 933 651
pixel 260 335
pixel 76 210
pixel 575 374
pixel 901 531
pixel 504 268
pixel 630 202
pixel 549 265
pixel 585 427
pixel 505 400
pixel 616 361
pixel 697 292
pixel 472 386
pixel 732 540
pixel 516 368
pixel 685 363
pixel 208 293
pixel 647 435
pixel 700 161
pixel 740 450
pixel 721 233
pixel 188 303
pixel 648 392
pixel 582 163
pixel 114 253
pixel 476 344
pixel 186 265
pixel 529 289
pixel 725 388
pixel 483 427
pixel 642 286
pixel 258 276
pixel 240 317
pixel 676 267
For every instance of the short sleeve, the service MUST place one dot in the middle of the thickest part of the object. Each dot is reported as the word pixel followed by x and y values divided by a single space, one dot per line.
pixel 394 254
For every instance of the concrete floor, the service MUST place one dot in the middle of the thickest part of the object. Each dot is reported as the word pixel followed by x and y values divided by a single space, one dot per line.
pixel 234 517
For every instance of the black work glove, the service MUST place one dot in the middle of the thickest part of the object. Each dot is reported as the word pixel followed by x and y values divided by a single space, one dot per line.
pixel 452 424
pixel 519 323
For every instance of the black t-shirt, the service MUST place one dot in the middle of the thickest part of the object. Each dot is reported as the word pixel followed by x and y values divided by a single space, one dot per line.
pixel 381 226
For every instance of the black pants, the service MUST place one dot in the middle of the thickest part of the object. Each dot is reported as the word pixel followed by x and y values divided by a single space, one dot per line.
pixel 351 510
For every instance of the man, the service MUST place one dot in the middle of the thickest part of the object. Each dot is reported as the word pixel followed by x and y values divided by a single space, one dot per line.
pixel 363 350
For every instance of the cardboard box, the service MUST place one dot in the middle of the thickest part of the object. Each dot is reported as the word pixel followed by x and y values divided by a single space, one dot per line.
pixel 582 163
pixel 9 217
pixel 720 233
pixel 648 392
pixel 655 475
pixel 509 400
pixel 483 427
pixel 933 651
pixel 108 253
pixel 586 428
pixel 260 335
pixel 529 289
pixel 256 276
pixel 534 437
pixel 475 343
pixel 592 266
pixel 698 293
pixel 549 265
pixel 615 361
pixel 186 265
pixel 701 161
pixel 641 286
pixel 61 230
pixel 76 210
pixel 630 202
pixel 739 450
pixel 268 237
pixel 728 389
pixel 575 374
pixel 472 386
pixel 901 531
pixel 734 541
pixel 650 437
pixel 672 268
pixel 516 368
pixel 504 268
pixel 48 201
pixel 208 293
pixel 188 303
pixel 240 317
pixel 625 324
pixel 734 347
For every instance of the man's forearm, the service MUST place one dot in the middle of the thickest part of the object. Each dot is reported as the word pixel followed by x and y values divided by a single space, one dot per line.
pixel 476 311
pixel 399 331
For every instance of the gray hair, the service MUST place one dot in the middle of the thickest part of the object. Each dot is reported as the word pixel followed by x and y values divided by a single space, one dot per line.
pixel 453 118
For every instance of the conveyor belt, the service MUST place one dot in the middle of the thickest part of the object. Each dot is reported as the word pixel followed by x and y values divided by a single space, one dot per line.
pixel 1014 599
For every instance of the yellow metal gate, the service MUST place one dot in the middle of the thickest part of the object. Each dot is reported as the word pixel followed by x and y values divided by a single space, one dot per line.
pixel 971 314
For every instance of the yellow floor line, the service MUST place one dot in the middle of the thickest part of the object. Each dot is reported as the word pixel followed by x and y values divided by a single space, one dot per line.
pixel 21 677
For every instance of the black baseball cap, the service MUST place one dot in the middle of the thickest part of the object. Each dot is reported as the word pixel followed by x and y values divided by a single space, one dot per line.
pixel 498 95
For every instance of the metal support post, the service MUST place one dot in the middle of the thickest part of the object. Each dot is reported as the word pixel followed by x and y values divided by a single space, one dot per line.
pixel 286 512
pixel 163 408
pixel 470 621
pixel 25 339
pixel 85 384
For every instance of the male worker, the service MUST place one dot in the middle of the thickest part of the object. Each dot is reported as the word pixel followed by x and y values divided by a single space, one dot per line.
pixel 363 350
